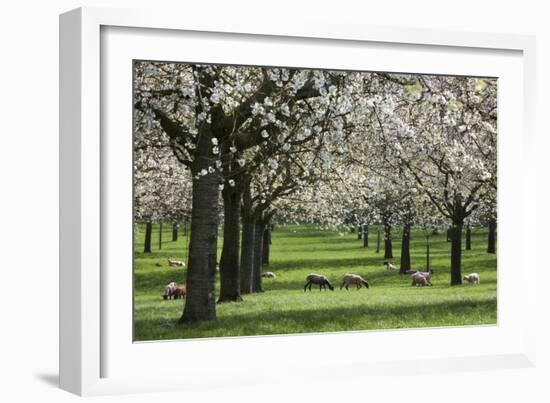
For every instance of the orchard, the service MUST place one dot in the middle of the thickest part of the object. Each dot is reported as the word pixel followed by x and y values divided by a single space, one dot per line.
pixel 244 171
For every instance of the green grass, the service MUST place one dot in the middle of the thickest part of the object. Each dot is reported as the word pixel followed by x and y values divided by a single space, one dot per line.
pixel 390 302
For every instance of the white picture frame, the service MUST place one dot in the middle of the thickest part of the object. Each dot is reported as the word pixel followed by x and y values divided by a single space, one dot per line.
pixel 84 307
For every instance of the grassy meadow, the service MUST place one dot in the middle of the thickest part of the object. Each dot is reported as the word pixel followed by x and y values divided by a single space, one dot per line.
pixel 284 307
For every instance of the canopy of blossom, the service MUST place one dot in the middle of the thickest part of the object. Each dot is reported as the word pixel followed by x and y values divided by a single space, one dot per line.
pixel 323 146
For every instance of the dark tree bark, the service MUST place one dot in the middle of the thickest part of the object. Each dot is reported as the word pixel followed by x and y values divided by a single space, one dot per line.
pixel 491 244
pixel 247 255
pixel 259 229
pixel 378 239
pixel 468 238
pixel 365 235
pixel 230 286
pixel 405 250
pixel 456 253
pixel 247 244
pixel 174 231
pixel 359 231
pixel 148 235
pixel 160 235
pixel 388 248
pixel 200 301
pixel 266 245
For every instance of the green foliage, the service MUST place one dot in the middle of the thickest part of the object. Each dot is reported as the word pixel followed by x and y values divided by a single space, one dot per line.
pixel 390 302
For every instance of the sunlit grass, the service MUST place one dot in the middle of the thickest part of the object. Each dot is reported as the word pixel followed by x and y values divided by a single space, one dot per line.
pixel 390 302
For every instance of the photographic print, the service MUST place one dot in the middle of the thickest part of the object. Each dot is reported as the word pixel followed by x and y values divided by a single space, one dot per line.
pixel 277 200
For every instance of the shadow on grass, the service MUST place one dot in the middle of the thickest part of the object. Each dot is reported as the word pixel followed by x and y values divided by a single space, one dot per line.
pixel 360 317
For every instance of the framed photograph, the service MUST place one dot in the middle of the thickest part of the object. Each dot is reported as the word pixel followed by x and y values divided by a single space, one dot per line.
pixel 266 194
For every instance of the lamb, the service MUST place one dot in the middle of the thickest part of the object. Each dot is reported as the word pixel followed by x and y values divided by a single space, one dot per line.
pixel 313 278
pixel 419 278
pixel 173 262
pixel 180 292
pixel 354 279
pixel 268 274
pixel 389 265
pixel 472 278
pixel 169 290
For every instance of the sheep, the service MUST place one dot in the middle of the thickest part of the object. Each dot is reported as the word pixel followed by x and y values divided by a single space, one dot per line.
pixel 173 262
pixel 169 290
pixel 268 274
pixel 426 274
pixel 389 265
pixel 419 278
pixel 180 292
pixel 354 279
pixel 472 278
pixel 313 278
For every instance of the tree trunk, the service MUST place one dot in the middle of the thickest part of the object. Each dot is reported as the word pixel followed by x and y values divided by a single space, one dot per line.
pixel 230 286
pixel 265 248
pixel 174 231
pixel 468 238
pixel 456 253
pixel 200 301
pixel 148 233
pixel 160 235
pixel 491 246
pixel 259 229
pixel 378 239
pixel 359 231
pixel 247 255
pixel 365 235
pixel 405 250
pixel 427 253
pixel 388 249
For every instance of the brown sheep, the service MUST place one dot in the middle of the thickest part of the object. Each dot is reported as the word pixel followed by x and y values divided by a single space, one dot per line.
pixel 313 278
pixel 180 292
pixel 354 279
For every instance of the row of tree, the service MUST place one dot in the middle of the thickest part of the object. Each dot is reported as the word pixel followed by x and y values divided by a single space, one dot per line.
pixel 250 146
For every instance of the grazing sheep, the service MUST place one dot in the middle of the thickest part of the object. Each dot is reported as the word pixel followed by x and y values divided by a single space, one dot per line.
pixel 419 278
pixel 169 290
pixel 268 274
pixel 472 278
pixel 313 278
pixel 389 265
pixel 180 292
pixel 426 274
pixel 173 262
pixel 354 279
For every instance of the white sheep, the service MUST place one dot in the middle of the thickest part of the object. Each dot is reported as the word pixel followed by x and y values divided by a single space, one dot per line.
pixel 472 278
pixel 169 290
pixel 419 279
pixel 173 262
pixel 268 274
pixel 426 274
pixel 389 265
